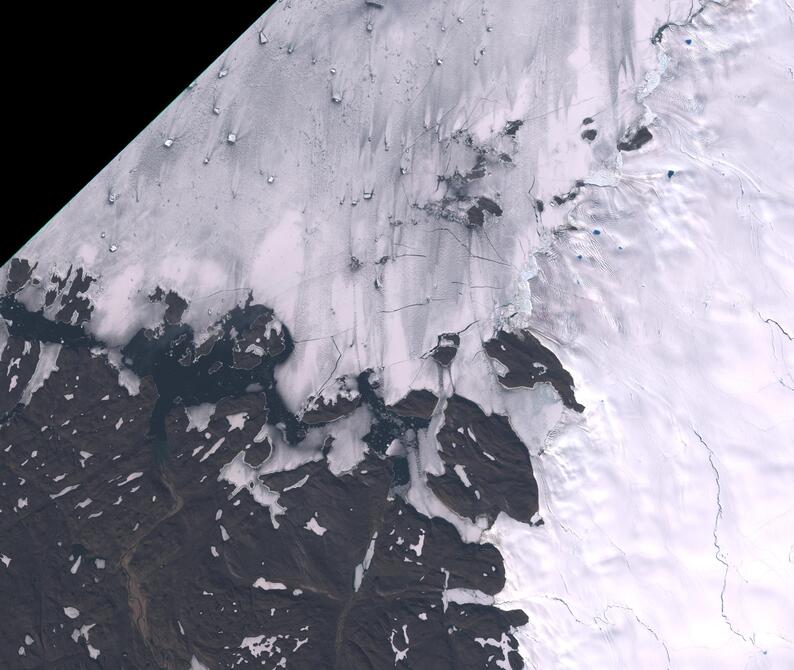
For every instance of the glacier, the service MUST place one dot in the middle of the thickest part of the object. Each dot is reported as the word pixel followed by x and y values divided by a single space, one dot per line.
pixel 613 178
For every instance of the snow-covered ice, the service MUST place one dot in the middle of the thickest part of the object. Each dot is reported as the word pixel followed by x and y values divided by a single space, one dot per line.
pixel 636 164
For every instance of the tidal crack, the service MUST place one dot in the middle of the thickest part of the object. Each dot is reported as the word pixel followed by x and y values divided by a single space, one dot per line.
pixel 719 554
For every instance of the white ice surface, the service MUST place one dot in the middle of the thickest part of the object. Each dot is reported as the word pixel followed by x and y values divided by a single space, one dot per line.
pixel 179 222
pixel 262 583
pixel 195 664
pixel 46 364
pixel 314 526
pixel 669 523
pixel 71 612
pixel 668 518
pixel 199 416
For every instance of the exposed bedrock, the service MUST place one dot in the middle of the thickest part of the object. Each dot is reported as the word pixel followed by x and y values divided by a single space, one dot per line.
pixel 487 467
pixel 528 362
pixel 447 348
pixel 126 547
